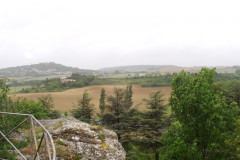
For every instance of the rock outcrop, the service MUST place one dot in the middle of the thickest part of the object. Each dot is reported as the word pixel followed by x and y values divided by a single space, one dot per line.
pixel 78 140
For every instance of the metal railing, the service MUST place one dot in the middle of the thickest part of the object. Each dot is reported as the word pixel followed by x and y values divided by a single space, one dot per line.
pixel 41 147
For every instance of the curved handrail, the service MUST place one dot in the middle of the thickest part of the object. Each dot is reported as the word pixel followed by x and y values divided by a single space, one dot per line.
pixel 45 133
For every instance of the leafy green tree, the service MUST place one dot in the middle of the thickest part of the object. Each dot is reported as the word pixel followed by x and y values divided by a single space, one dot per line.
pixel 203 120
pixel 233 140
pixel 23 105
pixel 53 84
pixel 176 147
pixel 237 71
pixel 102 104
pixel 233 92
pixel 84 111
pixel 237 139
pixel 18 105
pixel 5 101
pixel 6 105
pixel 128 97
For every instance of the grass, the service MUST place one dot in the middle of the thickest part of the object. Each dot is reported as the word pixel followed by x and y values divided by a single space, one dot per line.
pixel 78 157
pixel 38 130
pixel 64 152
pixel 64 100
pixel 26 150
pixel 60 142
pixel 58 126
pixel 38 136
pixel 101 137
pixel 14 90
pixel 96 128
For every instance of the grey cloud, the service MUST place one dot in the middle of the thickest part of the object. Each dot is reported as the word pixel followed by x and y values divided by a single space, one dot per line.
pixel 98 34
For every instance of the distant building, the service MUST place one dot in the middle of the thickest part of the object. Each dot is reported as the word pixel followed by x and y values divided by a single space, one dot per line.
pixel 142 74
pixel 62 78
pixel 65 80
pixel 9 83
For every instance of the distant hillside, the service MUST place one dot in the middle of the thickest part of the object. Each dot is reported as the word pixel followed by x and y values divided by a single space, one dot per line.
pixel 41 69
pixel 137 68
pixel 57 70
pixel 163 69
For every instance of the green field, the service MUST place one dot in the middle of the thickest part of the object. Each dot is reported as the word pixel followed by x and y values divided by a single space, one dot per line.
pixel 14 90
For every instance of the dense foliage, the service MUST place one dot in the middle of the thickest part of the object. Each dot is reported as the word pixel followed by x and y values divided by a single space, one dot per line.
pixel 139 132
pixel 204 122
pixel 40 109
pixel 22 105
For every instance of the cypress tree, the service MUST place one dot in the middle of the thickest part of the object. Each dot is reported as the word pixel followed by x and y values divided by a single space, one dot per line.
pixel 128 97
pixel 102 105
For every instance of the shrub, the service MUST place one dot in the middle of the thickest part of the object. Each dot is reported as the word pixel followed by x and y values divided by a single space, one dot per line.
pixel 54 114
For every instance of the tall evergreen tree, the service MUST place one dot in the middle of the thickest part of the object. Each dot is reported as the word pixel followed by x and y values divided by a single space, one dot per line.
pixel 146 127
pixel 102 105
pixel 154 121
pixel 128 97
pixel 84 111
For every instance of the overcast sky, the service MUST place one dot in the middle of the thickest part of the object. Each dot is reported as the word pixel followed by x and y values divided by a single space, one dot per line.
pixel 92 34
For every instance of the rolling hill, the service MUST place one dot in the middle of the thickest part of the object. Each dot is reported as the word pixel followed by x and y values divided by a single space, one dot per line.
pixel 56 70
pixel 41 69
pixel 163 69
pixel 136 68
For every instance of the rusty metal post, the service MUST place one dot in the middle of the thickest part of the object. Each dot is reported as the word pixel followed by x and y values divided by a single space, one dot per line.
pixel 34 136
pixel 47 149
pixel 50 153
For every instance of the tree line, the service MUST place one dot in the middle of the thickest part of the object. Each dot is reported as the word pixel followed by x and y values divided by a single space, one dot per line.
pixel 203 123
pixel 149 80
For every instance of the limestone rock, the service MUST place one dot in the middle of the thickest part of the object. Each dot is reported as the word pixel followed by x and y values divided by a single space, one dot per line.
pixel 74 138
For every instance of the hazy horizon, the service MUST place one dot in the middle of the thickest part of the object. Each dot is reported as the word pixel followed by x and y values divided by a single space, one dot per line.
pixel 120 66
pixel 98 34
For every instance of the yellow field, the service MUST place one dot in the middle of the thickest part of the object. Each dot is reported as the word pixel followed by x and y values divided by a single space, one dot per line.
pixel 64 100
